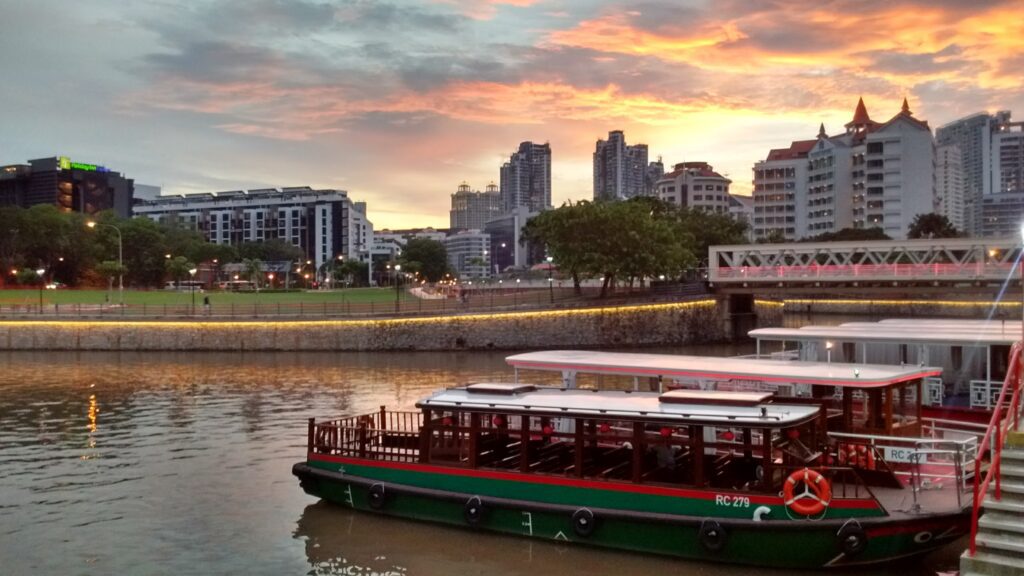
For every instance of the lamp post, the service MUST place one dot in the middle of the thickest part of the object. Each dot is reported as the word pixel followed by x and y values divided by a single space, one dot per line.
pixel 828 351
pixel 551 282
pixel 192 287
pixel 120 259
pixel 398 278
pixel 42 280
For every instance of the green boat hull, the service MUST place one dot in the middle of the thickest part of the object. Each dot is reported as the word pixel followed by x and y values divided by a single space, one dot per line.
pixel 692 528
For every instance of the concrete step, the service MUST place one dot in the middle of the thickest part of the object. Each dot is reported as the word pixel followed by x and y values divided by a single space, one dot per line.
pixel 1013 454
pixel 1011 469
pixel 1014 487
pixel 988 564
pixel 995 521
pixel 1009 545
pixel 1005 505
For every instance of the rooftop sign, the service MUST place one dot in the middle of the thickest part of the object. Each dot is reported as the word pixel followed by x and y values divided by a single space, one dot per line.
pixel 65 163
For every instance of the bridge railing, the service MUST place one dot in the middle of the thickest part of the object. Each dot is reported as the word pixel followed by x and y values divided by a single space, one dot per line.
pixel 832 272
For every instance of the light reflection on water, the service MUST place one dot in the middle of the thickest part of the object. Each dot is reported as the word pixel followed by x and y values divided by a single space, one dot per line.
pixel 172 463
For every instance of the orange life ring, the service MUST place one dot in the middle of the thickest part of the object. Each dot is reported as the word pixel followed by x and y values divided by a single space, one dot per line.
pixel 816 495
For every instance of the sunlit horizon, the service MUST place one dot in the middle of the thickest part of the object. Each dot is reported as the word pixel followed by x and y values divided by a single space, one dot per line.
pixel 400 103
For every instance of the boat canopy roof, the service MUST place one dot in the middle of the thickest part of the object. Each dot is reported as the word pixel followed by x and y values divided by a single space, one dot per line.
pixel 902 331
pixel 715 368
pixel 690 407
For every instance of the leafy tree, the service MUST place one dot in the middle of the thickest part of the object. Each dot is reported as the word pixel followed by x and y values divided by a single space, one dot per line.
pixel 254 268
pixel 426 256
pixel 710 229
pixel 110 270
pixel 932 225
pixel 178 268
pixel 352 273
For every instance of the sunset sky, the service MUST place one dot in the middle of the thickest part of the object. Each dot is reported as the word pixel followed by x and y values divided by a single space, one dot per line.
pixel 400 102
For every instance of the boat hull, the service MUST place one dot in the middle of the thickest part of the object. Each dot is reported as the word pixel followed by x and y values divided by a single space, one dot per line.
pixel 778 542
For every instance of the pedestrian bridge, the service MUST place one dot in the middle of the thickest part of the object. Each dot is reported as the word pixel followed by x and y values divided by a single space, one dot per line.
pixel 931 261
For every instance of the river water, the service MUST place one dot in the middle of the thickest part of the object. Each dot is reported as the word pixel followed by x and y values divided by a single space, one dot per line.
pixel 174 463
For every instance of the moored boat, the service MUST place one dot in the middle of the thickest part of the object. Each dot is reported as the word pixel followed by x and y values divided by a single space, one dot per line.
pixel 727 476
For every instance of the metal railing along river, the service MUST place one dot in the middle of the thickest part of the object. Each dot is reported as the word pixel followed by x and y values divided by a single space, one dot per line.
pixel 478 301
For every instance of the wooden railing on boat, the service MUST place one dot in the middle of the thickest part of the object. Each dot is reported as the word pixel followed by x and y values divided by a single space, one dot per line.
pixel 1005 417
pixel 384 434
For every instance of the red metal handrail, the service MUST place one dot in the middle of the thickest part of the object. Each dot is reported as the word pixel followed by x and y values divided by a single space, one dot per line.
pixel 993 439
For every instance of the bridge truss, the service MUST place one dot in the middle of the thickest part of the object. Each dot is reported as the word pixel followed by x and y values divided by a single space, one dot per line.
pixel 932 260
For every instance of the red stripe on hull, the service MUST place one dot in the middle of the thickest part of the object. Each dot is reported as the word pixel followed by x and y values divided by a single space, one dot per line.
pixel 851 504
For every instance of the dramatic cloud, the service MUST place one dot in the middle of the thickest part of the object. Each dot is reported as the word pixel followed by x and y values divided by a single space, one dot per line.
pixel 398 102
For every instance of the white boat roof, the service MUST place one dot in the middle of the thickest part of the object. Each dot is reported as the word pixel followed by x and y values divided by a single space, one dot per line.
pixel 936 332
pixel 715 368
pixel 746 410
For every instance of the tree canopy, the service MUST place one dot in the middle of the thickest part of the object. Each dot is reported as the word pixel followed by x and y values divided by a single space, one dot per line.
pixel 426 256
pixel 932 226
pixel 631 240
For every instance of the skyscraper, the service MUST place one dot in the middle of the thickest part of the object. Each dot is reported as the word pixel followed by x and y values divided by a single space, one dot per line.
pixel 992 154
pixel 949 184
pixel 526 178
pixel 471 210
pixel 621 171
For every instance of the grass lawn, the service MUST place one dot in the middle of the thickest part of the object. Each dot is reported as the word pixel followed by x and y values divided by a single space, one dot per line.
pixel 160 297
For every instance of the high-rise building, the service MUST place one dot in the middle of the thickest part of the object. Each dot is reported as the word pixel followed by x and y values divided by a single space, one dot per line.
pixel 874 174
pixel 992 155
pixel 70 186
pixel 621 171
pixel 780 192
pixel 471 210
pixel 949 184
pixel 469 253
pixel 695 185
pixel 526 178
pixel 323 223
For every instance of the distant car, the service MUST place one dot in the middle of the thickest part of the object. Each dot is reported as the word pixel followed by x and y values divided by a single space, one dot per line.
pixel 54 286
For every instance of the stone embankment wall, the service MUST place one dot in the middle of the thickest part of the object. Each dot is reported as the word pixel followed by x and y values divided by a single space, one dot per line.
pixel 641 325
pixel 904 308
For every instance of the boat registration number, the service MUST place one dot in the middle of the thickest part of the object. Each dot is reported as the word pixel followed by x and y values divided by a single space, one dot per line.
pixel 732 501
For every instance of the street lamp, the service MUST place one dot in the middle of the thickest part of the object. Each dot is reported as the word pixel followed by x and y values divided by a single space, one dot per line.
pixel 192 287
pixel 42 280
pixel 551 282
pixel 398 278
pixel 828 351
pixel 120 259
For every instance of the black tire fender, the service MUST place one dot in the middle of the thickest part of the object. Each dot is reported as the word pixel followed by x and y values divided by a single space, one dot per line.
pixel 712 536
pixel 377 496
pixel 852 539
pixel 583 522
pixel 473 511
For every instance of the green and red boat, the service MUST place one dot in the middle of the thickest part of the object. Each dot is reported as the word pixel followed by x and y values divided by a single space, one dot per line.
pixel 739 477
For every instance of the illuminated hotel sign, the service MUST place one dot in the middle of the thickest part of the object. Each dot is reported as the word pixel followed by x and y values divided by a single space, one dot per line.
pixel 67 164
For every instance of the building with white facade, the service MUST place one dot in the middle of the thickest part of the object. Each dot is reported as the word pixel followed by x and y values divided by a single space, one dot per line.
pixel 780 193
pixel 323 223
pixel 695 185
pixel 469 253
pixel 874 174
pixel 472 209
pixel 526 178
pixel 621 171
pixel 949 185
pixel 741 208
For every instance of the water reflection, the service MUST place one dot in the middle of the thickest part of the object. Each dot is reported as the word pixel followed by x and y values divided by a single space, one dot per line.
pixel 180 463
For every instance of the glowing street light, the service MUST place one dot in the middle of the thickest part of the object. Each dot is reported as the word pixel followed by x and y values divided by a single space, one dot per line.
pixel 192 287
pixel 120 258
pixel 42 280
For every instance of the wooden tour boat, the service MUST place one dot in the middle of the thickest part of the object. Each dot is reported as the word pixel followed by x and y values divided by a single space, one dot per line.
pixel 734 476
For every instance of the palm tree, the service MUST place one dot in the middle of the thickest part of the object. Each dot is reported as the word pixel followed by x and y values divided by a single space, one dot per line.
pixel 254 267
